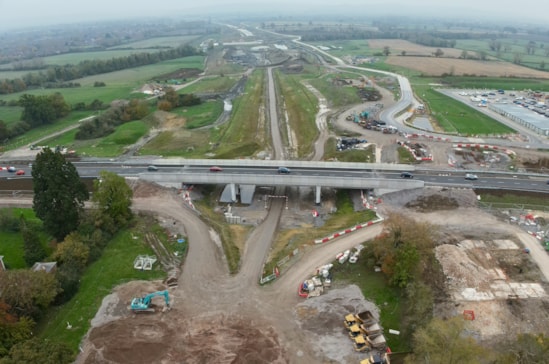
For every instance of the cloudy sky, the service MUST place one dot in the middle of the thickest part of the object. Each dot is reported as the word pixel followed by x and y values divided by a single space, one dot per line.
pixel 24 13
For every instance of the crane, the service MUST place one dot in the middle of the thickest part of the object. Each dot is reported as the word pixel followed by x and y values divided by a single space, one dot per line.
pixel 143 304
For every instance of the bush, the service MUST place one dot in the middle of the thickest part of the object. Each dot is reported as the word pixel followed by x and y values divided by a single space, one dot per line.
pixel 8 222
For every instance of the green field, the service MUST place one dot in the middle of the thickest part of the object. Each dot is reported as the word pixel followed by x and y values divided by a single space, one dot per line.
pixel 358 47
pixel 10 114
pixel 113 268
pixel 213 84
pixel 496 83
pixel 160 42
pixel 201 115
pixel 12 250
pixel 11 246
pixel 110 146
pixel 514 46
pixel 7 74
pixel 33 135
pixel 75 58
pixel 245 133
pixel 458 118
pixel 336 96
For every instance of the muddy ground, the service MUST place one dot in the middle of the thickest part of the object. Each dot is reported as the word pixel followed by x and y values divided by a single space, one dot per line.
pixel 272 325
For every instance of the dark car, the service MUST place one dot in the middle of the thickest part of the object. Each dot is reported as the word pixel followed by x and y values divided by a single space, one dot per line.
pixel 216 169
pixel 152 168
pixel 406 175
pixel 283 170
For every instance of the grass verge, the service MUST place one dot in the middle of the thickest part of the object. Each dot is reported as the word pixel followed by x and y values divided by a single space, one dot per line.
pixel 113 268
pixel 245 133
pixel 288 240
pixel 367 155
pixel 301 106
pixel 404 156
pixel 519 200
pixel 110 146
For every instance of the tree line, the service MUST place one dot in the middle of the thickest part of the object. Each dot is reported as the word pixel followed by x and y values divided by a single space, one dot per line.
pixel 79 237
pixel 53 76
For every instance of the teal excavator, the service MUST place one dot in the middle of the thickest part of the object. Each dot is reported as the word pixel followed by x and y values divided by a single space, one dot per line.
pixel 143 304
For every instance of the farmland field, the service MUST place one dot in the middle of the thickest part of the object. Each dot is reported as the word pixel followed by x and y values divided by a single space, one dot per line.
pixel 10 75
pixel 437 66
pixel 10 114
pixel 396 46
pixel 120 84
pixel 166 42
pixel 75 58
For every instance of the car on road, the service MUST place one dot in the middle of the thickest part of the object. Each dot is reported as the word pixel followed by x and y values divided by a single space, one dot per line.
pixel 216 169
pixel 283 170
pixel 152 168
pixel 471 177
pixel 11 169
pixel 406 175
pixel 20 172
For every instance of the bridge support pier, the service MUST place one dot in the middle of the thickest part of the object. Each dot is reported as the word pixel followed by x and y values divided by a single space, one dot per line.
pixel 317 195
pixel 233 192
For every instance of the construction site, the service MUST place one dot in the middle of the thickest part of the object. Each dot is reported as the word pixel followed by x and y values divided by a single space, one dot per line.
pixel 491 282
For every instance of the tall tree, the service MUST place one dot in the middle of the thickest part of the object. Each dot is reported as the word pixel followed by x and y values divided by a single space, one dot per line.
pixel 528 348
pixel 72 251
pixel 113 199
pixel 445 342
pixel 12 329
pixel 28 292
pixel 32 249
pixel 59 194
pixel 40 352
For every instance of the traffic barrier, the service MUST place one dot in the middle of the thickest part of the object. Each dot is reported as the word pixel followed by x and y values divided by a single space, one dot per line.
pixel 484 146
pixel 347 231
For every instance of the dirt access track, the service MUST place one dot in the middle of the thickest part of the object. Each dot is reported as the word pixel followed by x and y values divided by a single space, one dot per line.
pixel 218 318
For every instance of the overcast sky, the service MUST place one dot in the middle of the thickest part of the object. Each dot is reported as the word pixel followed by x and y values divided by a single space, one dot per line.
pixel 24 13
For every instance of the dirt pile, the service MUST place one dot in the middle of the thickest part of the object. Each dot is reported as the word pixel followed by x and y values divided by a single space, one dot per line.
pixel 433 203
pixel 173 337
pixel 431 199
pixel 121 336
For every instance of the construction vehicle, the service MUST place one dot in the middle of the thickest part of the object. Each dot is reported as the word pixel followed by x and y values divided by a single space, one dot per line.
pixel 364 317
pixel 361 344
pixel 370 330
pixel 143 304
pixel 355 330
pixel 366 330
pixel 377 359
pixel 377 341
